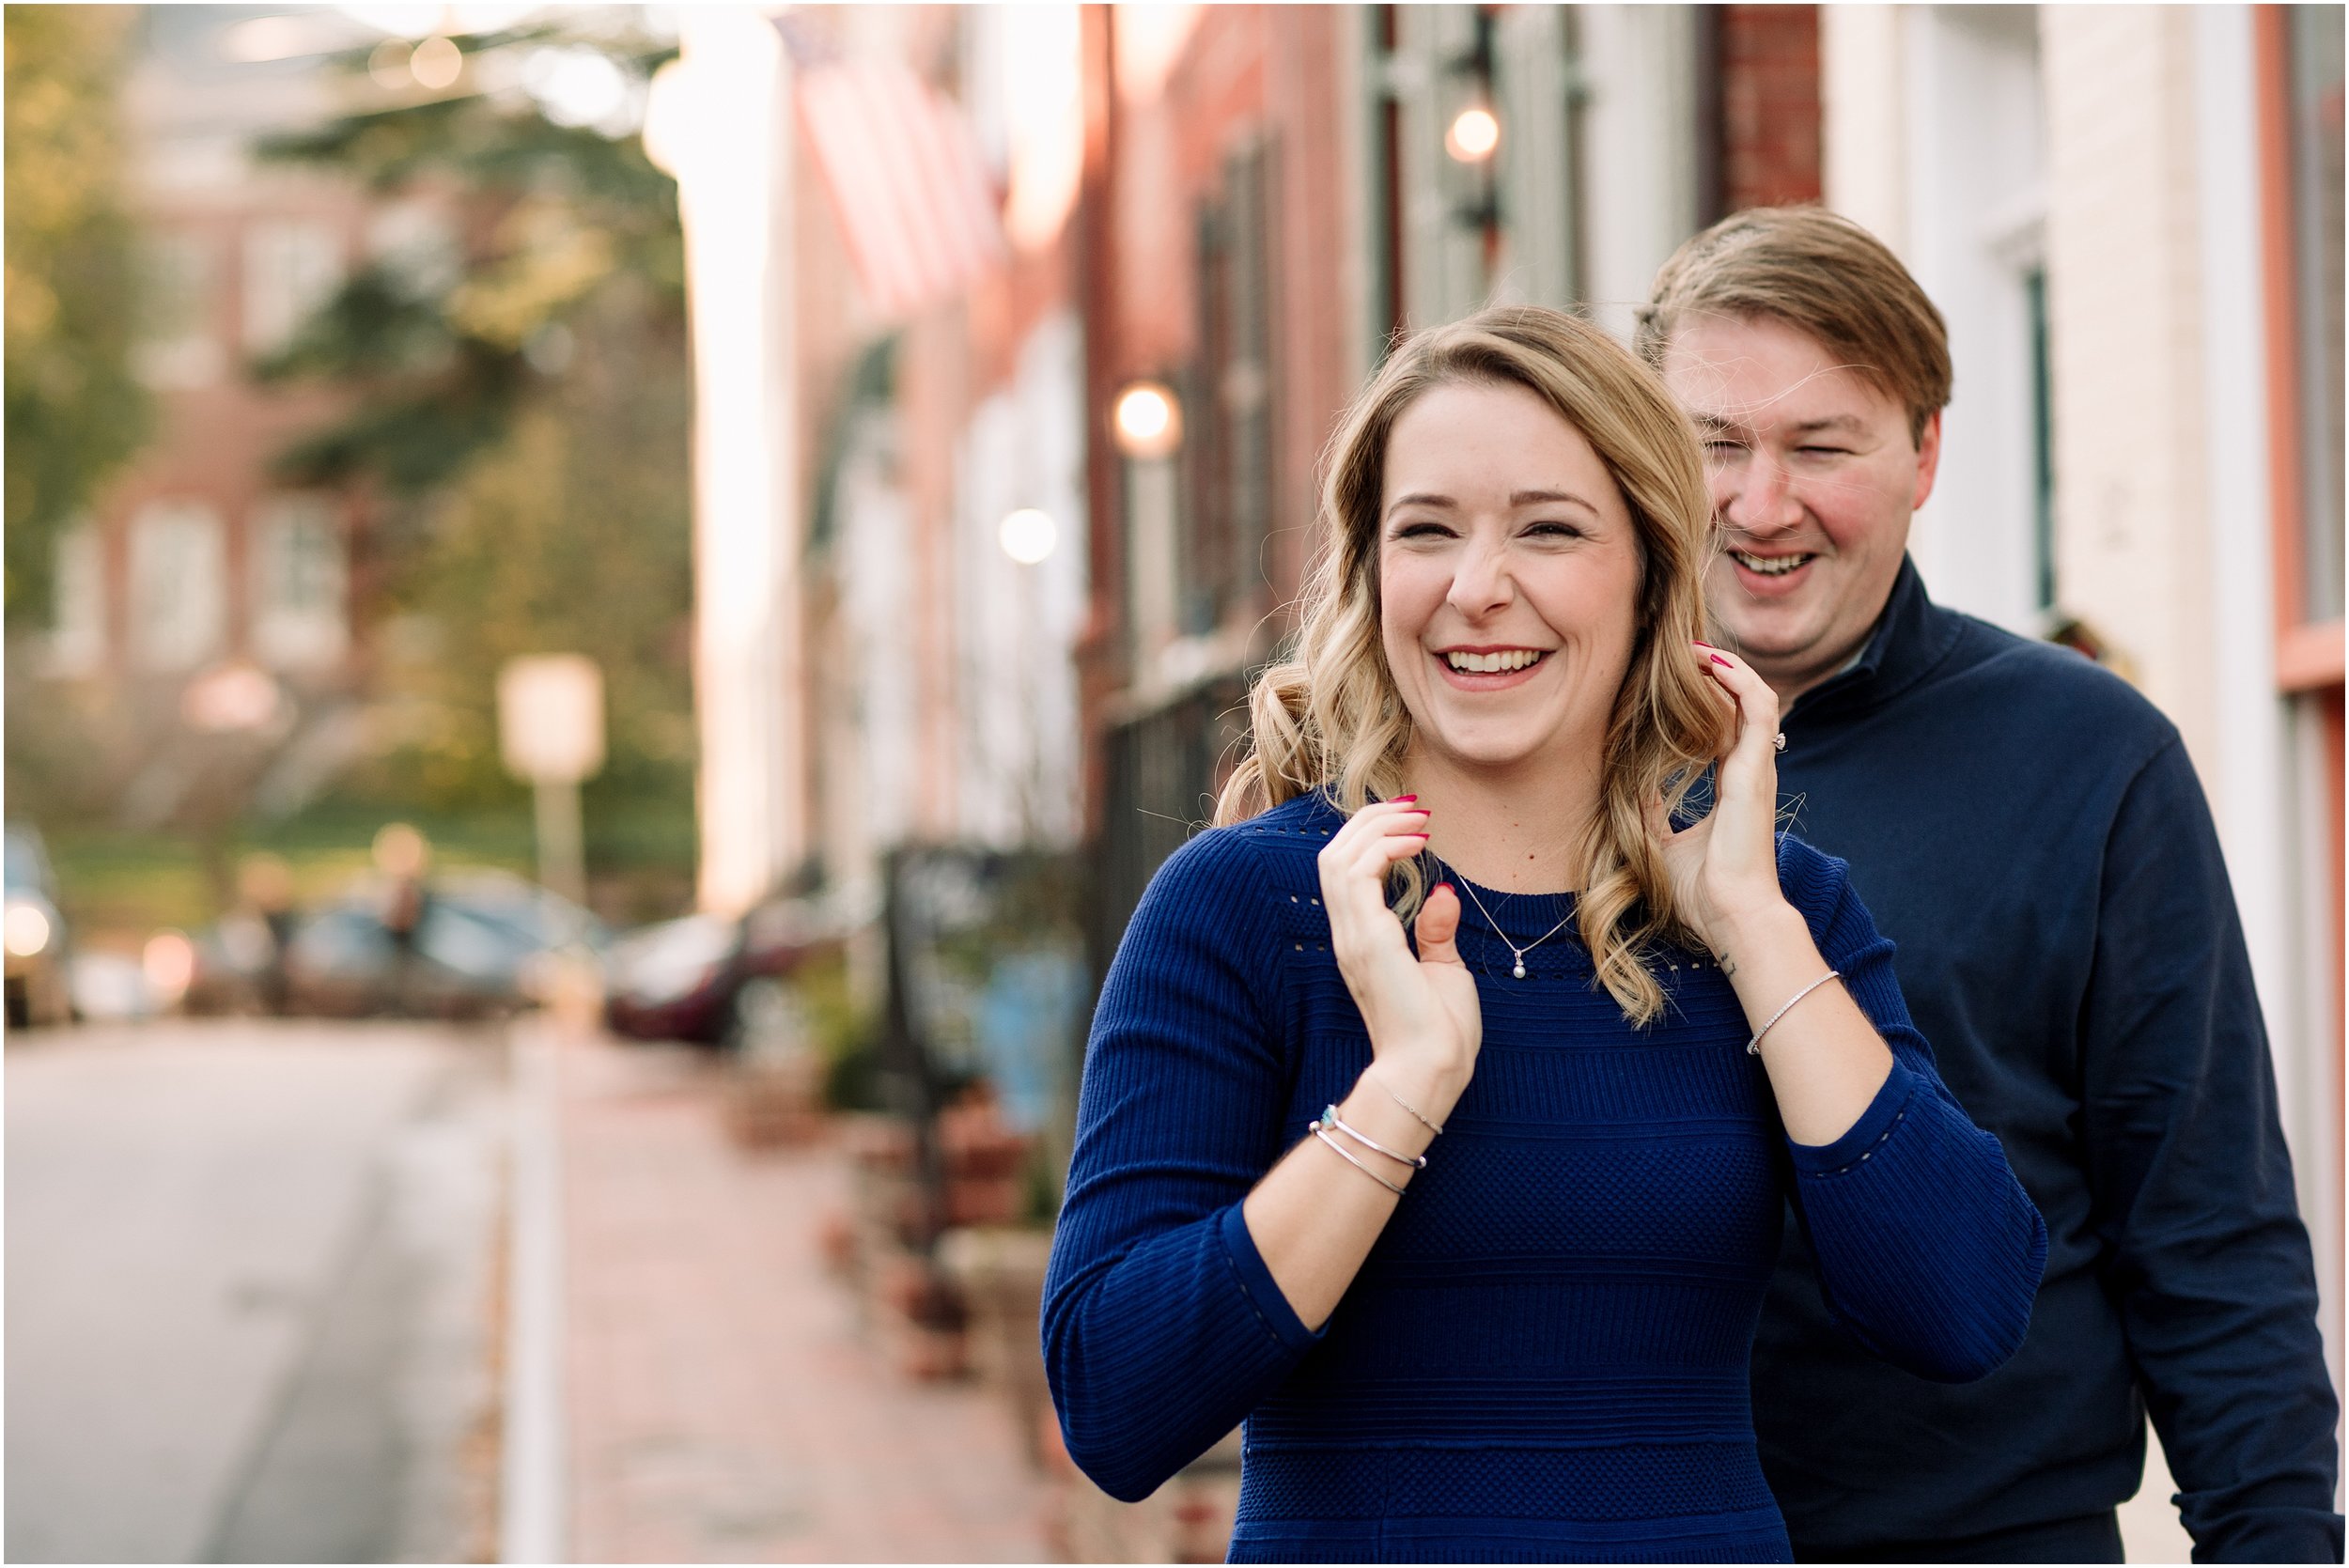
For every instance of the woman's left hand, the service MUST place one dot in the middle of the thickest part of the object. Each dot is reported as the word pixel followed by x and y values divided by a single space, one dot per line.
pixel 1724 868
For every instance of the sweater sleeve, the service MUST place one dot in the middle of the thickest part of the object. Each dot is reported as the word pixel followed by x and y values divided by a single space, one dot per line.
pixel 1162 1327
pixel 1929 1249
pixel 2193 1189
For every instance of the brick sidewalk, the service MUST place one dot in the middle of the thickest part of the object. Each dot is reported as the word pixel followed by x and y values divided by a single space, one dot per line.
pixel 722 1405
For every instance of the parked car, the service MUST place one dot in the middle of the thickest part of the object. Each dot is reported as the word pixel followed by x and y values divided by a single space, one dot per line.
pixel 34 934
pixel 706 978
pixel 482 945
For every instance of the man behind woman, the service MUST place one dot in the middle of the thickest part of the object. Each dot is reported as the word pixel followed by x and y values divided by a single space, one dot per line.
pixel 2029 831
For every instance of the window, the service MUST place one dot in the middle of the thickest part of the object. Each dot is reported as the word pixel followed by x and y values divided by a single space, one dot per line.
pixel 2300 95
pixel 178 342
pixel 1436 235
pixel 2314 45
pixel 1231 449
pixel 77 639
pixel 292 267
pixel 2043 441
pixel 178 608
pixel 298 583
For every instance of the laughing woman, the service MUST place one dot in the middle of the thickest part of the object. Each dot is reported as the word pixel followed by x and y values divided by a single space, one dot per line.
pixel 1468 1213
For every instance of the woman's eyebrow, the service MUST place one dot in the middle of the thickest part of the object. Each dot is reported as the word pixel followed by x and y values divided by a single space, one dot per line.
pixel 1537 498
pixel 1421 498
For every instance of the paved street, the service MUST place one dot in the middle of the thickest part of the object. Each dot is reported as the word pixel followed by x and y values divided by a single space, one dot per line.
pixel 248 1292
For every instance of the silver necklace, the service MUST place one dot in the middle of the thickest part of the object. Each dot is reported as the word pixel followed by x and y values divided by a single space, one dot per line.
pixel 1520 953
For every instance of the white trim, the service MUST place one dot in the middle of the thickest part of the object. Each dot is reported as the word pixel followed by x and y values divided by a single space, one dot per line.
pixel 532 1493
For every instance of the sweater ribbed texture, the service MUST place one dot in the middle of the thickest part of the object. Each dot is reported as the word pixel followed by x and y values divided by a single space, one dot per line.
pixel 1544 1357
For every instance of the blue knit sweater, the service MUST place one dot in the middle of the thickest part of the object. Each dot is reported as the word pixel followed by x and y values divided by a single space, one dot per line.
pixel 1545 1355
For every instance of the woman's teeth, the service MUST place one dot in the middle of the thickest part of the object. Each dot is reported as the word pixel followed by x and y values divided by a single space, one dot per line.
pixel 1768 566
pixel 1491 663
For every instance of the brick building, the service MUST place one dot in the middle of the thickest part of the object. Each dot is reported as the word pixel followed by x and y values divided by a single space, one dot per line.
pixel 201 593
pixel 875 666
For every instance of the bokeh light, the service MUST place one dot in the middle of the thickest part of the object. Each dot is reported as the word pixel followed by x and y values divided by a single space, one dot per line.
pixel 1474 135
pixel 169 961
pixel 1028 535
pixel 27 929
pixel 1149 421
pixel 578 86
pixel 437 62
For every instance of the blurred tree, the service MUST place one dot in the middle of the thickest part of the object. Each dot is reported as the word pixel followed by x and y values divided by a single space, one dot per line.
pixel 558 215
pixel 74 412
pixel 522 416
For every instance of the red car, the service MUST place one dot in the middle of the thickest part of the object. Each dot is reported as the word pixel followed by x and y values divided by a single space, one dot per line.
pixel 698 978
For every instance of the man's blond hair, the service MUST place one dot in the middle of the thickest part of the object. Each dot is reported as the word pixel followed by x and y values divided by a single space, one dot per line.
pixel 1825 276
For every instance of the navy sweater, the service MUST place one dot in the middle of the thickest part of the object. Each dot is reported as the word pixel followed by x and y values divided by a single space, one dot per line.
pixel 2028 830
pixel 1544 1357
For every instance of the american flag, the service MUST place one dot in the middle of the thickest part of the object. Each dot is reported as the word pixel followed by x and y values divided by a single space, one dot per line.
pixel 913 199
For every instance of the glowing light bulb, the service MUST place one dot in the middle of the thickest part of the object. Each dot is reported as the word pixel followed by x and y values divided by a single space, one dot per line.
pixel 1149 421
pixel 1474 135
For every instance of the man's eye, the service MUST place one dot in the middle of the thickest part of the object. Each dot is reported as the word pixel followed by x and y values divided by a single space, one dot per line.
pixel 1822 451
pixel 1724 449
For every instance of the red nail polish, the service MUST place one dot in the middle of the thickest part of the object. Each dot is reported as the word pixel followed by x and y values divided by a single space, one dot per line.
pixel 1718 660
pixel 1702 643
pixel 1444 887
pixel 1401 797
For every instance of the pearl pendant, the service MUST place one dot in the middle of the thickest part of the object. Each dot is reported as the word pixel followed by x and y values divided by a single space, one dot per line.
pixel 1519 970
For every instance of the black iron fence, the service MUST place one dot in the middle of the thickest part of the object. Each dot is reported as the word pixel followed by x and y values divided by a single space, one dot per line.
pixel 1163 769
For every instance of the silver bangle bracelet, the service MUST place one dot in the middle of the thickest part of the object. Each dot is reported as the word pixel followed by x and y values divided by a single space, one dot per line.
pixel 1329 1118
pixel 1753 1046
pixel 1317 1131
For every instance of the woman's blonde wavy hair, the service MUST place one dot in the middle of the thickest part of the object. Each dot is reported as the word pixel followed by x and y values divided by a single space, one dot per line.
pixel 1331 718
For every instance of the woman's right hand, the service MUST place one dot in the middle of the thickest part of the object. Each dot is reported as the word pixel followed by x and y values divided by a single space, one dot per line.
pixel 1421 1012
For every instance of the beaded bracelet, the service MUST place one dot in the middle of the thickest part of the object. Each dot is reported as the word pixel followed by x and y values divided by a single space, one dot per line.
pixel 1753 1046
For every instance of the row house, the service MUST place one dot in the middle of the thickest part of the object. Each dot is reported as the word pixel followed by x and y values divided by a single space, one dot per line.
pixel 890 514
pixel 1272 195
pixel 1205 225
